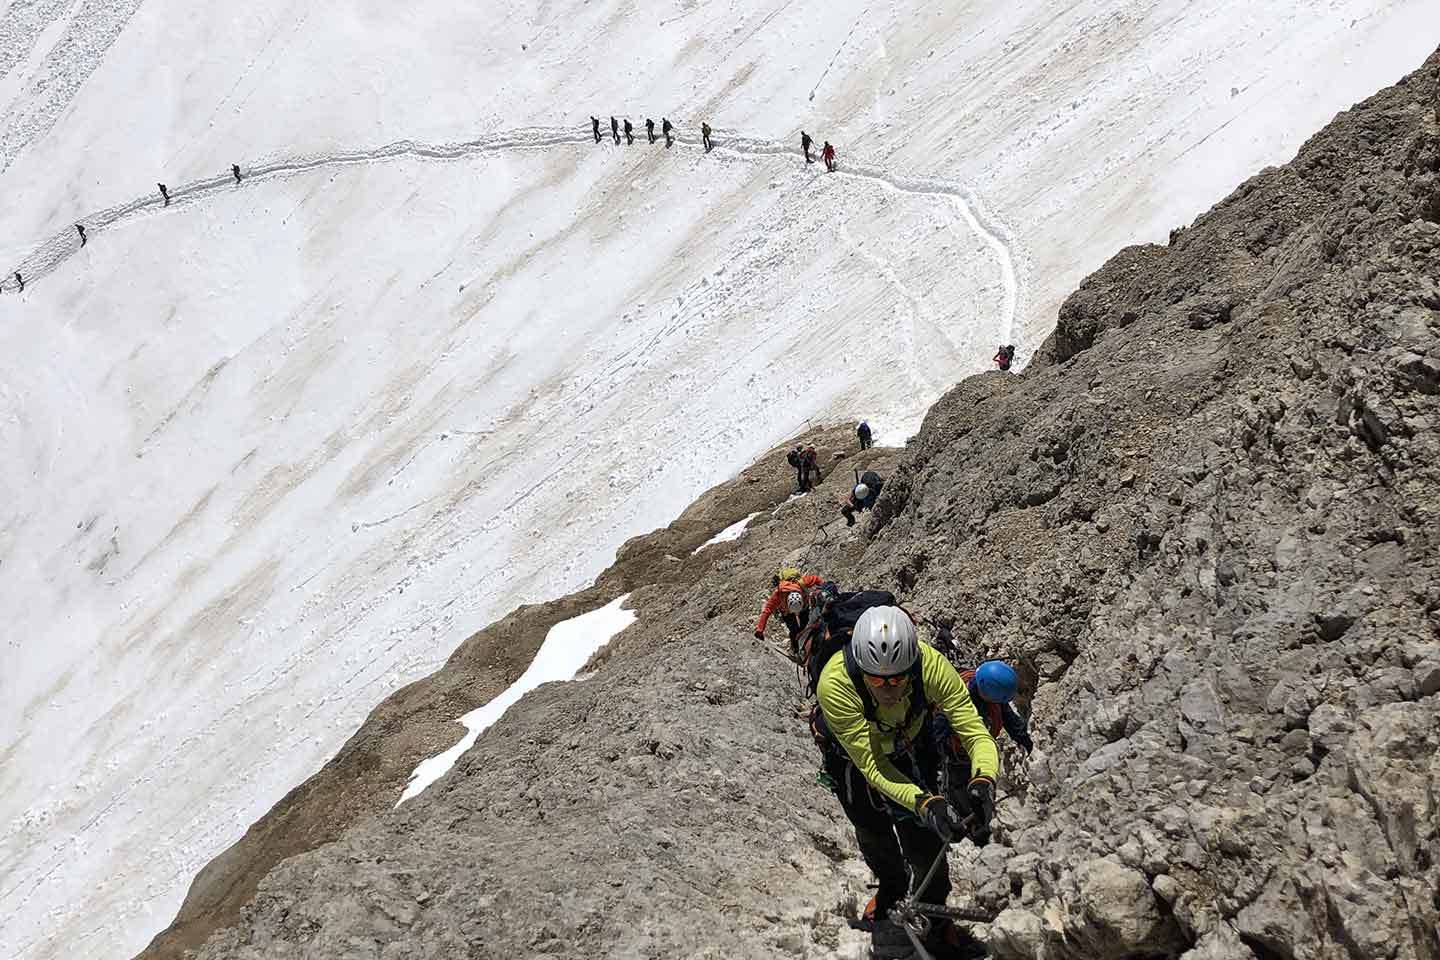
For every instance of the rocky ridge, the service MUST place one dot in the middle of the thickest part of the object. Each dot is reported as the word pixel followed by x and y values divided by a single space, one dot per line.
pixel 1203 521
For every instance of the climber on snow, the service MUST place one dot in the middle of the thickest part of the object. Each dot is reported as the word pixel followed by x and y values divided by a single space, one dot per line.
pixel 705 137
pixel 235 171
pixel 805 142
pixel 80 228
pixel 863 432
pixel 1005 356
pixel 878 696
pixel 164 193
pixel 665 128
pixel 615 130
pixel 595 127
pixel 629 133
pixel 828 155
pixel 650 129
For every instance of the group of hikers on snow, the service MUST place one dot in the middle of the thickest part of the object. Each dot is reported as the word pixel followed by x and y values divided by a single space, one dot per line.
pixel 83 234
pixel 666 130
pixel 827 152
pixel 908 743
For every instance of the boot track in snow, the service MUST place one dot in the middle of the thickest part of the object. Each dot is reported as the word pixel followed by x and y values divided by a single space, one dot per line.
pixel 51 253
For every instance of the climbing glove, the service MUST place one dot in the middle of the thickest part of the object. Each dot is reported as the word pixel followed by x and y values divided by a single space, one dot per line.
pixel 1026 744
pixel 759 634
pixel 936 812
pixel 981 794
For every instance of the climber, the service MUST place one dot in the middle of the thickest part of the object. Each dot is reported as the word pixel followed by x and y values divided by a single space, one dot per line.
pixel 20 280
pixel 863 432
pixel 235 171
pixel 164 193
pixel 828 155
pixel 595 127
pixel 1005 356
pixel 665 128
pixel 877 697
pixel 793 583
pixel 650 129
pixel 615 130
pixel 862 496
pixel 81 230
pixel 705 136
pixel 805 142
pixel 629 133
pixel 809 463
pixel 992 686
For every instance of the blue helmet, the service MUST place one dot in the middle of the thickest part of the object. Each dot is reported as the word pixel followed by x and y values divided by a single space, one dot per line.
pixel 996 681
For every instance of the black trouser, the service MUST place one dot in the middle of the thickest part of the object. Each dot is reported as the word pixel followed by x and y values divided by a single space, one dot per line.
pixel 898 848
pixel 864 441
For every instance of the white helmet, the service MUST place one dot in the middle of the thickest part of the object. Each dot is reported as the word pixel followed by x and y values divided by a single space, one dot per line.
pixel 884 642
pixel 795 601
pixel 861 491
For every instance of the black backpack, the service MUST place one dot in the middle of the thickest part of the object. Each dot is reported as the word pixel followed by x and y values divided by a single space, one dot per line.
pixel 828 633
pixel 831 625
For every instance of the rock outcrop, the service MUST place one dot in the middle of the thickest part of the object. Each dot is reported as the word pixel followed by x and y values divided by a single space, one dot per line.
pixel 1204 524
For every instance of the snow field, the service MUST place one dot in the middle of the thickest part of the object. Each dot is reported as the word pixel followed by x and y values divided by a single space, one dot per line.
pixel 277 449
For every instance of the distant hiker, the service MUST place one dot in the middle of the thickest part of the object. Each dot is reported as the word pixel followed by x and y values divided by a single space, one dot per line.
pixel 793 458
pixel 863 432
pixel 790 600
pixel 20 280
pixel 629 133
pixel 1005 356
pixel 862 496
pixel 828 155
pixel 878 698
pixel 164 192
pixel 992 686
pixel 809 463
pixel 235 171
pixel 650 129
pixel 595 127
pixel 665 128
pixel 805 142
pixel 615 130
pixel 81 231
pixel 705 136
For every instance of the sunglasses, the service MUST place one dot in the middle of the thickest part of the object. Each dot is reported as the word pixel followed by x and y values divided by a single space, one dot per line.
pixel 894 681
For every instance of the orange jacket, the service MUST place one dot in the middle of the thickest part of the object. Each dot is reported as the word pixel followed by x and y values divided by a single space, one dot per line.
pixel 778 597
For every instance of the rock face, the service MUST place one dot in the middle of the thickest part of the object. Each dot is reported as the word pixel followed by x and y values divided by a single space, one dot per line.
pixel 1204 523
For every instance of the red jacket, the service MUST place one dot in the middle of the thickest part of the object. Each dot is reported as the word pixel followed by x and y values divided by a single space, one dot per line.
pixel 778 597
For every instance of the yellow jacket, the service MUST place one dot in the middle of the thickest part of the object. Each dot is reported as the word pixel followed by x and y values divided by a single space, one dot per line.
pixel 870 744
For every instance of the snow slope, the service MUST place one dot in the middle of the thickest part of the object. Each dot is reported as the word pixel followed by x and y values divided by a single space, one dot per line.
pixel 568 646
pixel 277 448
